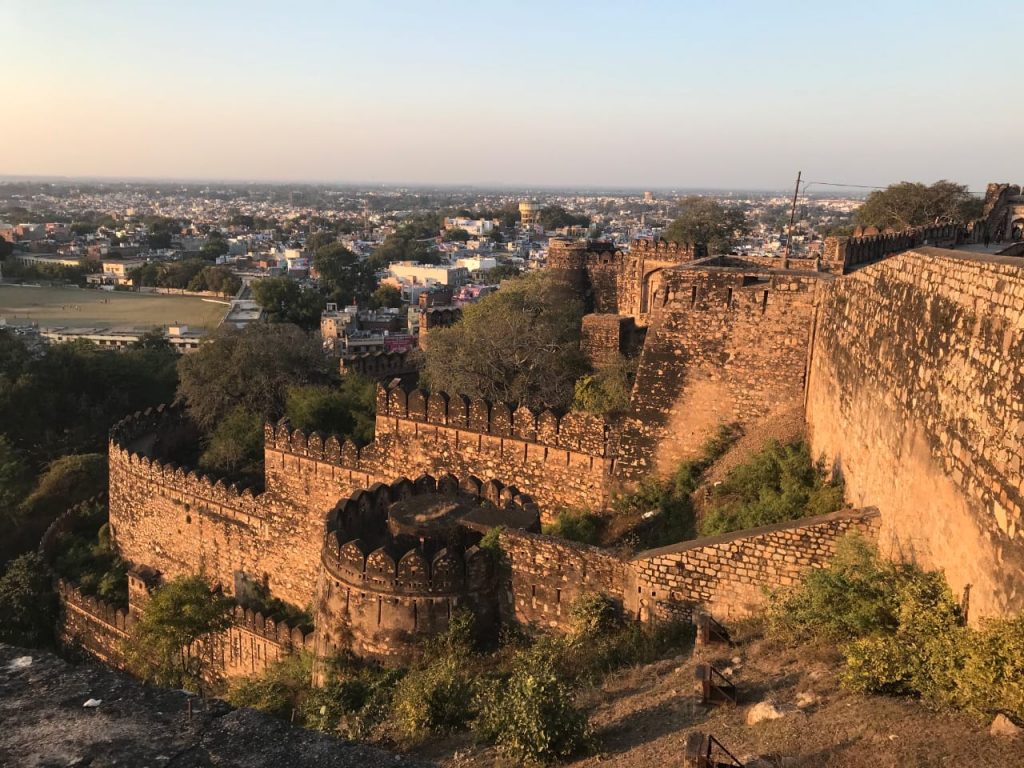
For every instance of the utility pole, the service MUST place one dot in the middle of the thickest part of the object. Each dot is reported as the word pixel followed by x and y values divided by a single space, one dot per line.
pixel 792 216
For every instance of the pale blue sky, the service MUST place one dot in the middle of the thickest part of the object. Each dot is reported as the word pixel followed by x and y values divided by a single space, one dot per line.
pixel 644 94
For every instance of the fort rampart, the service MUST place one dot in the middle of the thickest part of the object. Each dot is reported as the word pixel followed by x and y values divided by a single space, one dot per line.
pixel 914 398
pixel 729 574
pixel 724 346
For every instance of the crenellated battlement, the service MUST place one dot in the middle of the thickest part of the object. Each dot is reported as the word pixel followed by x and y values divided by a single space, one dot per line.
pixel 279 632
pixel 663 250
pixel 316 445
pixel 841 254
pixel 573 431
pixel 371 543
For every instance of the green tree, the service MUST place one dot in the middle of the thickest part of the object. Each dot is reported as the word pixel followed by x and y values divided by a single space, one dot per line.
pixel 456 235
pixel 215 246
pixel 410 242
pixel 287 302
pixel 27 603
pixel 518 345
pixel 556 217
pixel 705 220
pixel 172 644
pixel 346 410
pixel 777 484
pixel 236 444
pixel 253 368
pixel 13 482
pixel 217 279
pixel 386 296
pixel 343 273
pixel 913 204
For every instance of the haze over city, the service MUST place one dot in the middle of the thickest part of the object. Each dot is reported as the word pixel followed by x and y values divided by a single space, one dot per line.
pixel 648 95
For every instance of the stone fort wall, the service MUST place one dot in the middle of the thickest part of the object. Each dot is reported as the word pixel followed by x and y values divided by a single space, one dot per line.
pixel 724 346
pixel 915 398
pixel 730 573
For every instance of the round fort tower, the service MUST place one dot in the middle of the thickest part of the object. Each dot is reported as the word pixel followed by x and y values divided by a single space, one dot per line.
pixel 399 560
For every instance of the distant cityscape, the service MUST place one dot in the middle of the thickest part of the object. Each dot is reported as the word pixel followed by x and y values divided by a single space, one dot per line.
pixel 213 241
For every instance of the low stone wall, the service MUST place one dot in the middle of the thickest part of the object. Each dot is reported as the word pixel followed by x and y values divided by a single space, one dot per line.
pixel 92 625
pixel 728 575
pixel 546 574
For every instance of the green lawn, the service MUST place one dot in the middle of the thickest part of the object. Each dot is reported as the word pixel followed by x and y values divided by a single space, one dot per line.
pixel 82 307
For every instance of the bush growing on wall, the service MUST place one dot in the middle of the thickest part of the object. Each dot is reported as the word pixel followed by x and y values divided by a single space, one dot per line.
pixel 780 483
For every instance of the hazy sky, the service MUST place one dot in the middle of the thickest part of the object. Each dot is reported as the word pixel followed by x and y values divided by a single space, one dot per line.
pixel 716 93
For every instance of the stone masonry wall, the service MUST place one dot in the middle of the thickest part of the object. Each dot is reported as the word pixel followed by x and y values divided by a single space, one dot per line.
pixel 547 574
pixel 915 398
pixel 725 346
pixel 91 624
pixel 559 461
pixel 728 574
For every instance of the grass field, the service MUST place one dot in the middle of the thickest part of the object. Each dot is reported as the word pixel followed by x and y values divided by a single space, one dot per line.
pixel 81 307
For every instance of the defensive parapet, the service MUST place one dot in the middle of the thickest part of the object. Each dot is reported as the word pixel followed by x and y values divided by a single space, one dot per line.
pixel 574 431
pixel 400 559
pixel 842 254
pixel 92 624
pixel 662 250
pixel 378 365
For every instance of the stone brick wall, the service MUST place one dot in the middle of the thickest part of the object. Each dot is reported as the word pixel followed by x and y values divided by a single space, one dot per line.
pixel 914 397
pixel 728 574
pixel 91 624
pixel 604 339
pixel 560 461
pixel 179 522
pixel 547 574
pixel 254 642
pixel 843 254
pixel 724 346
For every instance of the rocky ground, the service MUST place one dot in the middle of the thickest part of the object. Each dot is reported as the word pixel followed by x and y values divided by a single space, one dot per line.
pixel 43 722
pixel 642 717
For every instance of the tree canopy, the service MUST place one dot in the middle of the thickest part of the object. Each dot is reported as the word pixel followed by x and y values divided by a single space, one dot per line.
pixel 252 368
pixel 556 217
pixel 343 274
pixel 913 204
pixel 705 220
pixel 165 645
pixel 285 301
pixel 518 345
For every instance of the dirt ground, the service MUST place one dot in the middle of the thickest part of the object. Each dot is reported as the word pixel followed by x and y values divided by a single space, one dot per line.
pixel 642 717
pixel 83 307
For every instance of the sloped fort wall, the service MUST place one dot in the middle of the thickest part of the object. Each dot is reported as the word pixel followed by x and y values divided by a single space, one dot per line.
pixel 916 397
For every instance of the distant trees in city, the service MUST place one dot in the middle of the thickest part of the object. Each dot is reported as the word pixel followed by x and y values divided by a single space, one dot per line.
pixel 343 274
pixel 286 301
pixel 413 240
pixel 518 345
pixel 386 296
pixel 161 231
pixel 556 217
pixel 456 235
pixel 706 220
pixel 191 274
pixel 913 204
pixel 215 246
